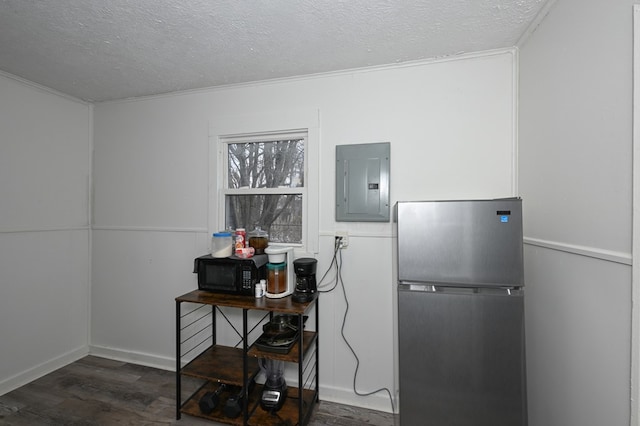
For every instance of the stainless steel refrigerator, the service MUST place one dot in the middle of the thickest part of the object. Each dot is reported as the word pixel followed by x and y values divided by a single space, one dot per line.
pixel 461 313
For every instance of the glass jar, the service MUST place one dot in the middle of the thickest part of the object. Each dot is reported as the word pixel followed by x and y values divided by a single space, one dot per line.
pixel 276 278
pixel 221 244
pixel 259 240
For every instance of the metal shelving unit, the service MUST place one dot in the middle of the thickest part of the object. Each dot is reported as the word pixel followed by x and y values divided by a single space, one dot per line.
pixel 215 364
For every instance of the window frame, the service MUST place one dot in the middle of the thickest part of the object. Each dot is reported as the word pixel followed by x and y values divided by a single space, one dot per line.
pixel 225 190
pixel 264 127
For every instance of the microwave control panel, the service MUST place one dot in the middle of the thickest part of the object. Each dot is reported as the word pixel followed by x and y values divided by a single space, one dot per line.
pixel 247 279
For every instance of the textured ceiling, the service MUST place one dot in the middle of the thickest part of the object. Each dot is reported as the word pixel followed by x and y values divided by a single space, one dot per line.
pixel 100 50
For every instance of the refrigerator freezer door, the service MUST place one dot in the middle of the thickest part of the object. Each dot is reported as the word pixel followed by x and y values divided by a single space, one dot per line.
pixel 461 243
pixel 461 358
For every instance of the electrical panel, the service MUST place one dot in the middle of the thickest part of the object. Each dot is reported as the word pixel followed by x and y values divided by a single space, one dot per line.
pixel 362 182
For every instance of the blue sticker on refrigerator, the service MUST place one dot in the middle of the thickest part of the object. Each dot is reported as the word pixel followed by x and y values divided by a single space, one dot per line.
pixel 504 215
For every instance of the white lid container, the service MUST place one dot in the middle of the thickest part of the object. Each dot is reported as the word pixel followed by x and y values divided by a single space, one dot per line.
pixel 221 244
pixel 277 254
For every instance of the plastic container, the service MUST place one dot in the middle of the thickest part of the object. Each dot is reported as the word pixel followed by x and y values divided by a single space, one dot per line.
pixel 277 254
pixel 221 244
pixel 258 291
pixel 276 278
pixel 259 240
pixel 245 253
pixel 241 238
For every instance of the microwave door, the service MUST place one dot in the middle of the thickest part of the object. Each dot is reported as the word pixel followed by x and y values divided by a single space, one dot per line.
pixel 220 277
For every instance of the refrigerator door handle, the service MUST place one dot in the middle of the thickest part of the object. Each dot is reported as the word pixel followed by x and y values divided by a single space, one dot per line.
pixel 495 291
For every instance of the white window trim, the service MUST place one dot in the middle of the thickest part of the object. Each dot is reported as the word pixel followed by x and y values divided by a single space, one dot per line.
pixel 264 137
pixel 224 128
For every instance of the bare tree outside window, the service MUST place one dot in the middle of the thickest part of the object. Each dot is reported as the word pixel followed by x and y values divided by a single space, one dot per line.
pixel 265 181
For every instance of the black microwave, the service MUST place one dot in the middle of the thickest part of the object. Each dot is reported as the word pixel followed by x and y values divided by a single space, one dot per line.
pixel 231 275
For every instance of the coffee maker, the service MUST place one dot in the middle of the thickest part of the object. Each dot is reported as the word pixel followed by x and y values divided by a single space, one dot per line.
pixel 305 269
pixel 280 275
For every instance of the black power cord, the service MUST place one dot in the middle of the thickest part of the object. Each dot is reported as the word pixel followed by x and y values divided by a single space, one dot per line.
pixel 337 263
pixel 334 263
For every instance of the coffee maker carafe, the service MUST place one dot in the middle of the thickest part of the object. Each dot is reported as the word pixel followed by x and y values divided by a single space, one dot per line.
pixel 305 269
pixel 280 275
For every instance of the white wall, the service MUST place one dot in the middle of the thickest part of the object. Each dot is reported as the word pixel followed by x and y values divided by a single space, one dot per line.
pixel 45 179
pixel 575 177
pixel 451 128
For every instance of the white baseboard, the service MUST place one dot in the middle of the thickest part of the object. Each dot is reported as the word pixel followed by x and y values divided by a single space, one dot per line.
pixel 140 358
pixel 43 369
pixel 379 401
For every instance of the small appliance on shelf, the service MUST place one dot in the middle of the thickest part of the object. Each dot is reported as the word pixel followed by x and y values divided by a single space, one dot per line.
pixel 305 269
pixel 231 275
pixel 280 275
pixel 274 390
pixel 280 334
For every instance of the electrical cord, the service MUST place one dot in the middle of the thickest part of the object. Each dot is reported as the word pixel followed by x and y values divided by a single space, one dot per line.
pixel 337 261
pixel 334 262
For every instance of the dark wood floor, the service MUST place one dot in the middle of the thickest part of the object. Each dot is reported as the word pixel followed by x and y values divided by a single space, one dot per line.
pixel 98 391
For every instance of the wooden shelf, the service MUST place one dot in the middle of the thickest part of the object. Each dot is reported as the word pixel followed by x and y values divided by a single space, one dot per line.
pixel 285 305
pixel 192 406
pixel 308 337
pixel 220 364
pixel 289 410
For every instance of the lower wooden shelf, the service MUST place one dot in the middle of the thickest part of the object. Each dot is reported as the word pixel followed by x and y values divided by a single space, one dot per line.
pixel 192 407
pixel 221 364
pixel 289 410
pixel 258 416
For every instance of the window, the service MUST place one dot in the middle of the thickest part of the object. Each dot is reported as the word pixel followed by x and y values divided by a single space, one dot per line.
pixel 264 184
pixel 264 171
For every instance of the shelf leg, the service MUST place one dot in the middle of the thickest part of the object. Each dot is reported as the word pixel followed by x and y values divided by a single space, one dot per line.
pixel 178 379
pixel 213 325
pixel 245 368
pixel 300 360
pixel 317 307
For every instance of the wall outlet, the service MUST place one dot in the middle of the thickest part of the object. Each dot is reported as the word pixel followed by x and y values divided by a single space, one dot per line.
pixel 344 243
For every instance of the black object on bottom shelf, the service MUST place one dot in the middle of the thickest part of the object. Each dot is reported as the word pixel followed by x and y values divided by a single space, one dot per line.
pixel 258 416
pixel 210 400
pixel 233 406
pixel 232 397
